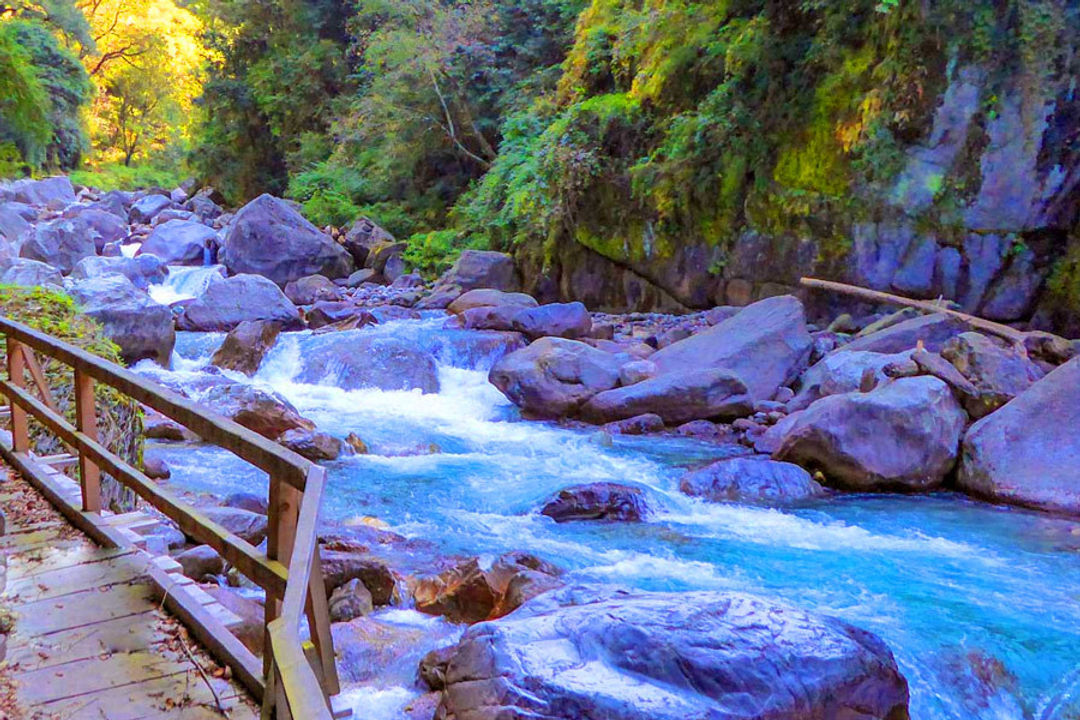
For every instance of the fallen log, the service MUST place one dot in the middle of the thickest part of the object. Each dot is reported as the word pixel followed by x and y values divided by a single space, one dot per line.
pixel 1004 331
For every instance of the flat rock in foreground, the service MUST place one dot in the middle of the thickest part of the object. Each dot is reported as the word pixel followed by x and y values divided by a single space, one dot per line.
pixel 583 652
pixel 1027 452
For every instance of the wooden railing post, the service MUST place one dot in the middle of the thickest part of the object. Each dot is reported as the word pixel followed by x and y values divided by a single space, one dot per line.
pixel 86 423
pixel 16 366
pixel 318 614
pixel 283 508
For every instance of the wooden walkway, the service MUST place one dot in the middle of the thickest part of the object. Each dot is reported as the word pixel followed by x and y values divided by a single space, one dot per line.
pixel 90 640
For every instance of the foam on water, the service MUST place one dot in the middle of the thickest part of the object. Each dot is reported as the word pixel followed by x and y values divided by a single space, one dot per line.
pixel 940 578
pixel 184 283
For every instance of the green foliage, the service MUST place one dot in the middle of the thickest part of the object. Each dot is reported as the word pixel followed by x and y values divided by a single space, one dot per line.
pixel 24 104
pixel 432 253
pixel 117 176
pixel 119 417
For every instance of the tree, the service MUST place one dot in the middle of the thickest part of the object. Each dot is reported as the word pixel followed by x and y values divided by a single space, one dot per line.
pixel 24 104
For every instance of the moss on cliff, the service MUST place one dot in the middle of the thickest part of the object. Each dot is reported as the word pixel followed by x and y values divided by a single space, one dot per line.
pixel 119 417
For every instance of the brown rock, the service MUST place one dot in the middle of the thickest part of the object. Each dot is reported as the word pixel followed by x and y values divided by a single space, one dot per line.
pixel 246 345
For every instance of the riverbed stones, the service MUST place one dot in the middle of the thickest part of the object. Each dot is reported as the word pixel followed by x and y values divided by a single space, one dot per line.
pixel 60 243
pixel 766 345
pixel 566 320
pixel 597 501
pixel 998 373
pixel 677 397
pixel 266 413
pixel 341 566
pixel 489 297
pixel 350 601
pixel 31 273
pixel 227 302
pixel 932 330
pixel 180 242
pixel 352 360
pixel 142 270
pixel 54 193
pixel 146 208
pixel 141 327
pixel 269 238
pixel 1027 453
pixel 312 444
pixel 246 345
pixel 753 480
pixel 842 372
pixel 903 435
pixel 670 656
pixel 482 269
pixel 552 377
pixel 201 561
pixel 104 227
pixel 311 289
pixel 245 525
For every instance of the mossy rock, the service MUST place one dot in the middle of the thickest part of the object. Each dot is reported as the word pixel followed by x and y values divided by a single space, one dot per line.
pixel 119 417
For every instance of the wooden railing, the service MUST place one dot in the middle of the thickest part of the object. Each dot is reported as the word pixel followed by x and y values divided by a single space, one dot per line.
pixel 297 679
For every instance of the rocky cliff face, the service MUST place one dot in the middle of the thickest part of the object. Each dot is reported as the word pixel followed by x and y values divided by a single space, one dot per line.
pixel 978 203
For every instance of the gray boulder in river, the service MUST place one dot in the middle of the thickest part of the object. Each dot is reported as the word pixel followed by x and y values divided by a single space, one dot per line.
pixel 933 330
pixel 842 372
pixel 141 327
pixel 227 302
pixel 766 344
pixel 55 193
pixel 553 377
pixel 180 242
pixel 142 270
pixel 1027 453
pixel 31 273
pixel 60 243
pixel 677 397
pixel 355 359
pixel 755 480
pixel 584 652
pixel 903 435
pixel 269 238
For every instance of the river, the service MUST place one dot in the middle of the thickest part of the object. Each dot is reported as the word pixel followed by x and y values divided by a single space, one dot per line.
pixel 980 604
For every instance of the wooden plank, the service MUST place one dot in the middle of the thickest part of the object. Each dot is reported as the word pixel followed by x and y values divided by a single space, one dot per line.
pixel 157 698
pixel 52 535
pixel 86 423
pixel 214 636
pixel 59 582
pixel 118 635
pixel 39 377
pixel 1011 334
pixel 248 445
pixel 84 608
pixel 16 364
pixel 268 573
pixel 59 682
pixel 43 560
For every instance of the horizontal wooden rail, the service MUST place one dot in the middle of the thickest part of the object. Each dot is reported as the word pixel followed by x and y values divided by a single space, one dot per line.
pixel 264 454
pixel 298 678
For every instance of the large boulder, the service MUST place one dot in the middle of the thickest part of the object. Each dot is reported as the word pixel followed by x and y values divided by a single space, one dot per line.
pixel 269 238
pixel 903 435
pixel 141 327
pixel 266 413
pixel 998 373
pixel 311 289
pixel 146 208
pixel 568 320
pixel 228 302
pixel 14 225
pixel 597 501
pixel 933 330
pixel 54 193
pixel 363 235
pixel 677 397
pixel 584 652
pixel 245 525
pixel 355 359
pixel 102 225
pixel 60 243
pixel 31 273
pixel 754 480
pixel 246 345
pixel 1027 452
pixel 843 372
pixel 180 242
pixel 142 270
pixel 553 377
pixel 483 269
pixel 488 297
pixel 766 344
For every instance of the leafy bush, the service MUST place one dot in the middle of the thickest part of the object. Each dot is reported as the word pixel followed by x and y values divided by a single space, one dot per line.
pixel 432 253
